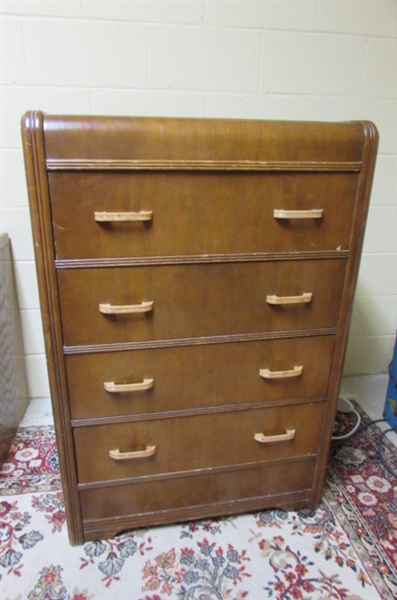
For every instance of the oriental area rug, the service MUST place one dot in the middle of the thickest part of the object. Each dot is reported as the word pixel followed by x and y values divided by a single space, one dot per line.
pixel 346 549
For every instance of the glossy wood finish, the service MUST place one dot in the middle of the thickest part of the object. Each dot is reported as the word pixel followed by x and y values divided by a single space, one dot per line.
pixel 197 227
pixel 183 375
pixel 196 443
pixel 156 143
pixel 197 300
pixel 229 212
pixel 14 397
pixel 108 510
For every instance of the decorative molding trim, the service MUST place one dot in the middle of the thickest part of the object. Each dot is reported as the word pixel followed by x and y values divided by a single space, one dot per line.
pixel 197 341
pixel 54 164
pixel 131 261
pixel 188 412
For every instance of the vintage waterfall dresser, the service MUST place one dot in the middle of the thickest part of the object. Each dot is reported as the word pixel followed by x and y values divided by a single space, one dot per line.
pixel 196 281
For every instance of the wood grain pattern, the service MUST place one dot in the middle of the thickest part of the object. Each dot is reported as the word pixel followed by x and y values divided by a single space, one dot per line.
pixel 229 213
pixel 198 300
pixel 198 443
pixel 183 375
pixel 104 511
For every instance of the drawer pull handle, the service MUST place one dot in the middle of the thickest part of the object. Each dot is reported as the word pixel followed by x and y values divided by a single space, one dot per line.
pixel 117 455
pixel 269 439
pixel 113 387
pixel 112 217
pixel 315 213
pixel 114 309
pixel 302 299
pixel 268 374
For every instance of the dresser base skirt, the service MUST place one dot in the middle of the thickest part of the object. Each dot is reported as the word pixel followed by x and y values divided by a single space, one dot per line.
pixel 107 511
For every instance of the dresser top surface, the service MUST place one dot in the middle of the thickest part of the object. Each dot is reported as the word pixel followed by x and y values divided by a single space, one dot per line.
pixel 187 139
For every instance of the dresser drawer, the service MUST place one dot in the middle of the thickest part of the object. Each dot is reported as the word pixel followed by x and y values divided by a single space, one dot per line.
pixel 197 300
pixel 180 378
pixel 196 496
pixel 194 443
pixel 199 213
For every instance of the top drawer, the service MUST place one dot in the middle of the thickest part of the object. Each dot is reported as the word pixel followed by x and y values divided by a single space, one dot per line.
pixel 194 213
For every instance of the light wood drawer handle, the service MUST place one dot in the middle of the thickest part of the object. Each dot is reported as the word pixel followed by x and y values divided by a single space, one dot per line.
pixel 268 374
pixel 315 213
pixel 112 217
pixel 113 387
pixel 302 299
pixel 114 309
pixel 117 455
pixel 269 439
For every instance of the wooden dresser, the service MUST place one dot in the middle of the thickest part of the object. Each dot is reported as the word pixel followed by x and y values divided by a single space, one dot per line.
pixel 196 281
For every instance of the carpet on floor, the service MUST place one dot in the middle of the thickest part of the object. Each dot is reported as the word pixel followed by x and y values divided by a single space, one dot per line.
pixel 346 549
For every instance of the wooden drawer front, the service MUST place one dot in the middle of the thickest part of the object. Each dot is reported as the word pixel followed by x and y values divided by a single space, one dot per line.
pixel 200 442
pixel 199 213
pixel 197 300
pixel 179 498
pixel 197 376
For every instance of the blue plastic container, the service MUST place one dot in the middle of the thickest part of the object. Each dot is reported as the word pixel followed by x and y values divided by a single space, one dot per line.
pixel 390 410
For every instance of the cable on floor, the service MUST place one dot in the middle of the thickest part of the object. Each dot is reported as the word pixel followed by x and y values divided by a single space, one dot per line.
pixel 345 406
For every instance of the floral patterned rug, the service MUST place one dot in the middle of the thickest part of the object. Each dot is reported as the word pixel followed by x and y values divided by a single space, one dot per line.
pixel 346 549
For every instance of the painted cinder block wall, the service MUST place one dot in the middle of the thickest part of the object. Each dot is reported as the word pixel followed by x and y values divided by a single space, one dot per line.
pixel 309 59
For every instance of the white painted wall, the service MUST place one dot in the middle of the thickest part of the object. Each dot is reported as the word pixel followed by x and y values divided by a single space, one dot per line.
pixel 309 59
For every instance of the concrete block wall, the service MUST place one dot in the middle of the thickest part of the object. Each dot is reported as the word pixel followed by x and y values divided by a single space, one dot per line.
pixel 283 59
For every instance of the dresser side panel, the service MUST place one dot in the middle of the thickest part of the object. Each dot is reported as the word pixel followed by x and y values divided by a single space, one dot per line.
pixel 370 148
pixel 38 194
